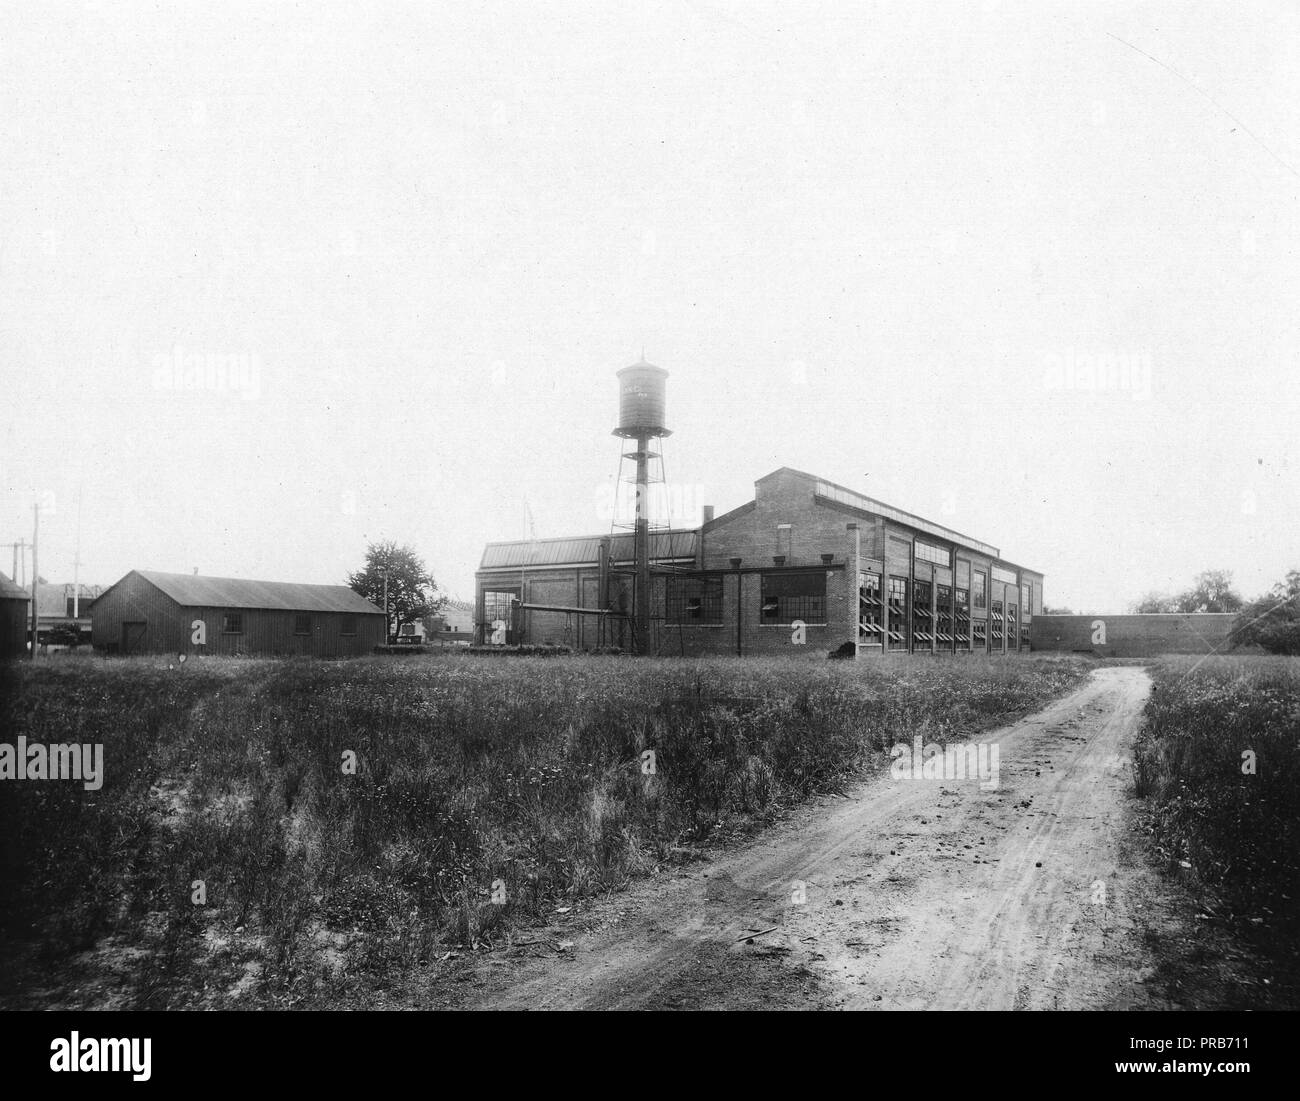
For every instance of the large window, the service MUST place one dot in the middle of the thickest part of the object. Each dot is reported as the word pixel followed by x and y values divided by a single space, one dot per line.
pixel 1013 634
pixel 922 618
pixel 694 601
pixel 961 625
pixel 897 612
pixel 498 606
pixel 232 623
pixel 995 627
pixel 981 590
pixel 981 631
pixel 943 616
pixel 932 552
pixel 791 596
pixel 870 608
pixel 1026 599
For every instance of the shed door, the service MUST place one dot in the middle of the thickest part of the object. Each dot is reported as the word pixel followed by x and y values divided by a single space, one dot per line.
pixel 133 636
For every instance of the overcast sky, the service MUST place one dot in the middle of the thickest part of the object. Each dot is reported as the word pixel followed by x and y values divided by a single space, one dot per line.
pixel 889 244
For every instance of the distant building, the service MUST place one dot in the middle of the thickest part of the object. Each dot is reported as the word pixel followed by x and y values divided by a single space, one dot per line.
pixel 56 603
pixel 453 622
pixel 14 619
pixel 149 612
pixel 806 566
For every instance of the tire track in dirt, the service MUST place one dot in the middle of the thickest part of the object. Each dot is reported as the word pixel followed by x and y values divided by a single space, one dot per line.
pixel 919 894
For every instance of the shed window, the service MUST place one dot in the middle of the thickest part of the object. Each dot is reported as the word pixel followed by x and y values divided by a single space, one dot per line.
pixel 302 624
pixel 791 596
pixel 232 623
pixel 349 625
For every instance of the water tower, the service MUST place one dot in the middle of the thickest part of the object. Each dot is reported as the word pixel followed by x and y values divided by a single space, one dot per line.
pixel 641 416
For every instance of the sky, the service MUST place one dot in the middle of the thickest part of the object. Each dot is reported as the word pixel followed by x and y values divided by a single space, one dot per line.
pixel 280 280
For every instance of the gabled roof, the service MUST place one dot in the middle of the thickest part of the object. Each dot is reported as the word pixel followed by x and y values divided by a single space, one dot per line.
pixel 10 591
pixel 192 591
pixel 584 550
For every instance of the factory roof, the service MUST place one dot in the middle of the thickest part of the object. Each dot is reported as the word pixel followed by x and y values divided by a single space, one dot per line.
pixel 584 550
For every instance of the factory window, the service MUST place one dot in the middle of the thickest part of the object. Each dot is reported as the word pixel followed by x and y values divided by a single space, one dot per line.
pixel 981 641
pixel 944 616
pixel 1025 599
pixel 694 600
pixel 498 606
pixel 930 552
pixel 981 591
pixel 302 624
pixel 997 611
pixel 870 628
pixel 232 623
pixel 897 611
pixel 791 596
pixel 349 626
pixel 923 629
pixel 869 587
pixel 1006 576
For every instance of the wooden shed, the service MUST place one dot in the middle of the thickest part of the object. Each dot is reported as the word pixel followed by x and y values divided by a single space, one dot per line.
pixel 148 613
pixel 14 605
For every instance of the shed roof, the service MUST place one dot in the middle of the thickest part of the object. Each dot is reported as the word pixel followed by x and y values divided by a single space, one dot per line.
pixel 11 591
pixel 192 591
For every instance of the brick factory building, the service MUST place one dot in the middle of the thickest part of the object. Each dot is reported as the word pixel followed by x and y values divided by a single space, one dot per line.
pixel 148 612
pixel 860 576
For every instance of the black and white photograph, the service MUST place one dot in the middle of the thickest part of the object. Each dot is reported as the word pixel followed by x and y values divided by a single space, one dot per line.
pixel 693 506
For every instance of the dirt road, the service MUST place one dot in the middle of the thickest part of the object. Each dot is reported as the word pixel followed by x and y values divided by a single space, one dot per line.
pixel 918 894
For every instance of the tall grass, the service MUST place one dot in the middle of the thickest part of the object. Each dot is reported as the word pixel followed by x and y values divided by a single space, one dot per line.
pixel 1236 830
pixel 485 791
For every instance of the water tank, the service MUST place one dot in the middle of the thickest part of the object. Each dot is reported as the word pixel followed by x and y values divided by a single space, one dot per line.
pixel 641 401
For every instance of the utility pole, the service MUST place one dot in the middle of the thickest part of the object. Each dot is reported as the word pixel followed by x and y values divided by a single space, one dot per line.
pixel 36 573
pixel 76 565
pixel 387 634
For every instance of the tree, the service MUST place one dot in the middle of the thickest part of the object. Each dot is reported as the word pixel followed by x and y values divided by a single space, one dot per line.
pixel 1212 591
pixel 1057 611
pixel 1156 602
pixel 412 592
pixel 1272 621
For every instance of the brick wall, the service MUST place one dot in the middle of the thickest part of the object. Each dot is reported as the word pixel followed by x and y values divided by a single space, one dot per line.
pixel 1133 635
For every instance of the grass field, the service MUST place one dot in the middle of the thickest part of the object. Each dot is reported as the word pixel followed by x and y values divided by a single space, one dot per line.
pixel 1218 763
pixel 526 774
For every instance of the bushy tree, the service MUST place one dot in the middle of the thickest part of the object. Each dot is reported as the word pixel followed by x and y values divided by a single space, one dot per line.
pixel 1212 591
pixel 412 592
pixel 1156 602
pixel 1272 621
